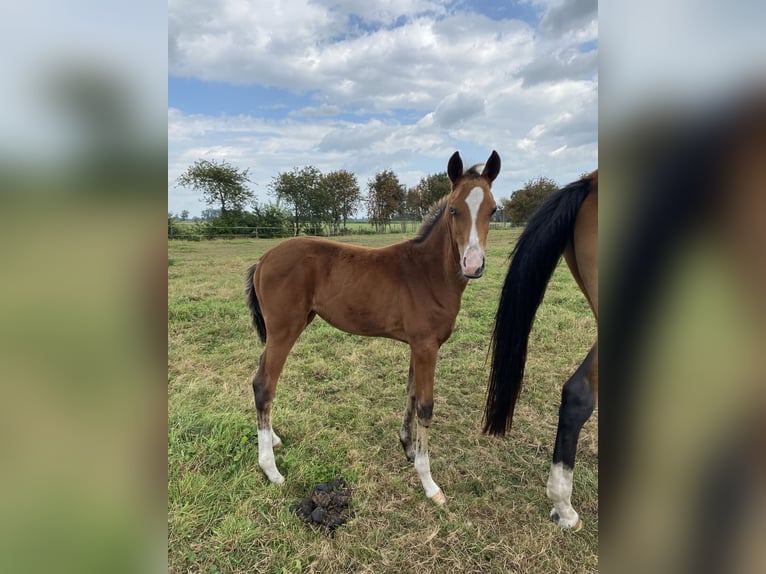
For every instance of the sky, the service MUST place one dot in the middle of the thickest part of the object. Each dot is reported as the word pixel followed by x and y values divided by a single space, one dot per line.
pixel 367 86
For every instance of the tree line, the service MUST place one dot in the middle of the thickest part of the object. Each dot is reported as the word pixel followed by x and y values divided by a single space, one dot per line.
pixel 314 203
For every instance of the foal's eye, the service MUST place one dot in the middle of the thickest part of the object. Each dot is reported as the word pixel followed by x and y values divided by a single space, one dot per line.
pixel 452 211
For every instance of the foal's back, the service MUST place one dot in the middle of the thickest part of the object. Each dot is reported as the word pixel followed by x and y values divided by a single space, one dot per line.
pixel 355 289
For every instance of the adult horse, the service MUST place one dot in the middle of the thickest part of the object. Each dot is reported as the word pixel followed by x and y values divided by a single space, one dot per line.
pixel 567 222
pixel 409 291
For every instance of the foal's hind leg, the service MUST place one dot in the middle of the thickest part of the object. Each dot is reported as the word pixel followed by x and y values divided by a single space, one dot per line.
pixel 264 388
pixel 577 402
pixel 405 433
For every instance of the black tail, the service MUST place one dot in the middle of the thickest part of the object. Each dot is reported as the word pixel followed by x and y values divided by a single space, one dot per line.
pixel 534 259
pixel 255 307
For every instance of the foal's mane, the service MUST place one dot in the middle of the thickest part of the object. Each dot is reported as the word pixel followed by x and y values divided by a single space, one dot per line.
pixel 473 170
pixel 430 220
pixel 437 209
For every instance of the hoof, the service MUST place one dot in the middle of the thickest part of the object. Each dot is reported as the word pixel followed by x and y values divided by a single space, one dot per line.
pixel 274 476
pixel 567 524
pixel 409 452
pixel 439 498
pixel 279 479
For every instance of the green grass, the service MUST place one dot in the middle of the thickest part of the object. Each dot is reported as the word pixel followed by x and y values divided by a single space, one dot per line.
pixel 338 410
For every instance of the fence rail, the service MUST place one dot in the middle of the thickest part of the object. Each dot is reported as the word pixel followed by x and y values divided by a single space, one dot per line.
pixel 199 231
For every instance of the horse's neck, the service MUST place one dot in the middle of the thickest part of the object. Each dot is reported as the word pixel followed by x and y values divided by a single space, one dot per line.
pixel 438 257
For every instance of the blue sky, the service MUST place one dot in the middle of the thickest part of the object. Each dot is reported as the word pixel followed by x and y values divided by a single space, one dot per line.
pixel 364 86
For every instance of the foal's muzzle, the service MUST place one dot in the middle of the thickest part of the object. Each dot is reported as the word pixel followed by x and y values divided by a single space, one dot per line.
pixel 473 262
pixel 479 272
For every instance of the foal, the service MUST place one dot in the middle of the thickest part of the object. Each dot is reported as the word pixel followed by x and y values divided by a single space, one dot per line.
pixel 409 291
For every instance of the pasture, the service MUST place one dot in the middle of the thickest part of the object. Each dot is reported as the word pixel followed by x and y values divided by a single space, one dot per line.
pixel 338 410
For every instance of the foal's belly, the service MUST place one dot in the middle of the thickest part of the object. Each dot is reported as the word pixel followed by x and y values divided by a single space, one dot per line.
pixel 362 320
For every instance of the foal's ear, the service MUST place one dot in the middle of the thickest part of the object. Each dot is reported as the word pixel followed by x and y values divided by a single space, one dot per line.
pixel 492 167
pixel 455 167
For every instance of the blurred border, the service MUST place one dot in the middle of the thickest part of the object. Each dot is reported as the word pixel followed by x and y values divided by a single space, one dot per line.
pixel 683 214
pixel 83 306
pixel 83 153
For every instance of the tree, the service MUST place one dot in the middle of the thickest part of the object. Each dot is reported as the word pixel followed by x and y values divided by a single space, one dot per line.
pixel 526 200
pixel 385 199
pixel 432 189
pixel 342 196
pixel 412 204
pixel 221 184
pixel 185 215
pixel 172 227
pixel 301 190
pixel 504 209
pixel 271 220
pixel 428 191
pixel 209 214
pixel 318 201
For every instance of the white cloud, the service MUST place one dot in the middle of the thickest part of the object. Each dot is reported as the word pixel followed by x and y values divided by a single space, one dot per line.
pixel 526 129
pixel 303 46
pixel 384 12
pixel 554 67
pixel 569 16
pixel 456 108
pixel 421 78
pixel 348 137
pixel 323 110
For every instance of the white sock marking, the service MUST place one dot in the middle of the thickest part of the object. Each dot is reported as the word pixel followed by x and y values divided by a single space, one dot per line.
pixel 423 464
pixel 559 491
pixel 266 456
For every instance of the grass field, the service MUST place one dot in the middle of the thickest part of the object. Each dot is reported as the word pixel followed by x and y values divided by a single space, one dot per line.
pixel 338 410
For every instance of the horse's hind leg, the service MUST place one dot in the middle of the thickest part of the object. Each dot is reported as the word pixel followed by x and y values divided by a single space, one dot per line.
pixel 405 433
pixel 577 403
pixel 264 388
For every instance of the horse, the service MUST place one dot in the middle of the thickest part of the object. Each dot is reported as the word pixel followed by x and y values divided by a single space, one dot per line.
pixel 409 291
pixel 566 223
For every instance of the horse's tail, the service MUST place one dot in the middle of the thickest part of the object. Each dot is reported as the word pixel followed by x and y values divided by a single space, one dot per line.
pixel 533 260
pixel 252 303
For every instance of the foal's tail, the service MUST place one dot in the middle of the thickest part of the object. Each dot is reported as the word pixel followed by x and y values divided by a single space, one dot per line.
pixel 255 307
pixel 534 258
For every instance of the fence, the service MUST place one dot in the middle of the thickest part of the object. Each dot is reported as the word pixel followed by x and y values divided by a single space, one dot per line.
pixel 200 231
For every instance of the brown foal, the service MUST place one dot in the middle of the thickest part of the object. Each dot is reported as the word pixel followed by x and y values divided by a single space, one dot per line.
pixel 409 291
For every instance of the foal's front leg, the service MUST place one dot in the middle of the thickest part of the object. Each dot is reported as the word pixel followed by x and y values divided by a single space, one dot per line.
pixel 424 366
pixel 405 433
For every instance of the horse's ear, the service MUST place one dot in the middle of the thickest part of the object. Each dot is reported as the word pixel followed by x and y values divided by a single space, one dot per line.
pixel 492 167
pixel 455 167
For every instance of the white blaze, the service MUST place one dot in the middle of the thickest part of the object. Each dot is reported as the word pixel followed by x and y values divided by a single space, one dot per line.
pixel 473 201
pixel 472 256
